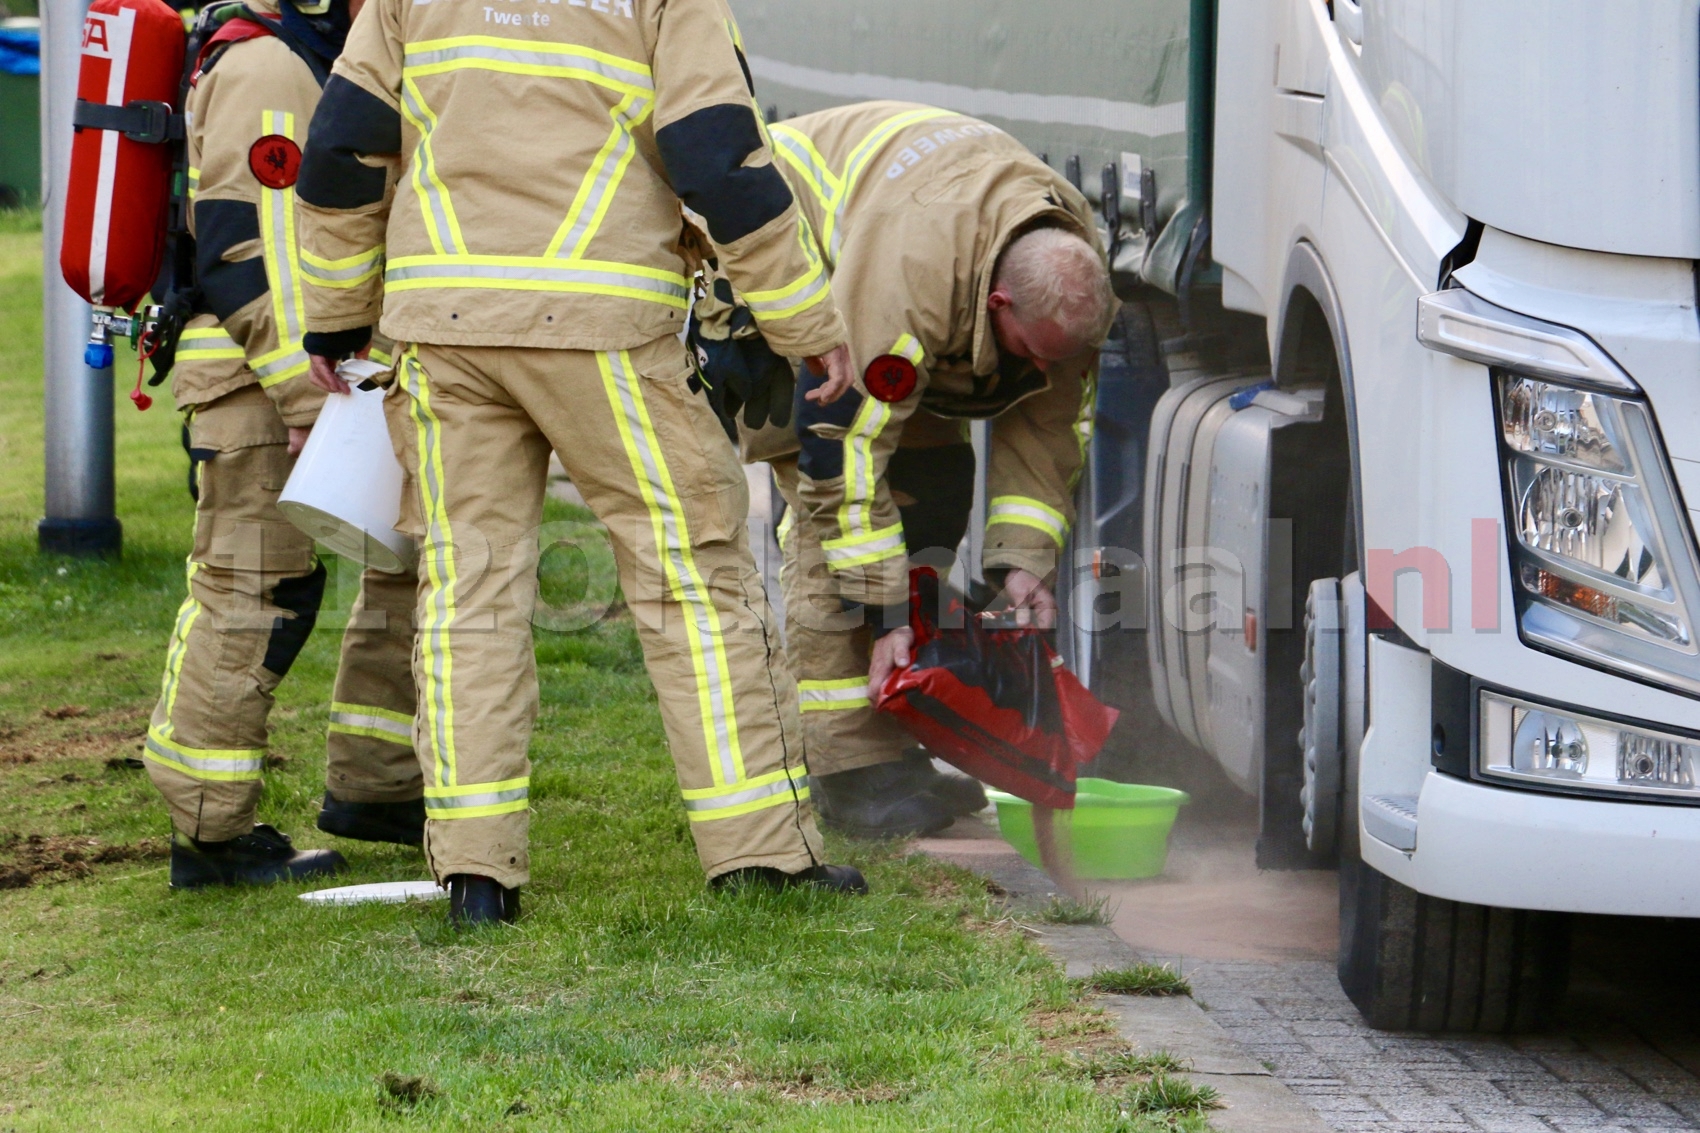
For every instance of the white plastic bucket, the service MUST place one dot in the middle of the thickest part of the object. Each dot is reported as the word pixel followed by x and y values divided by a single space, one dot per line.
pixel 345 490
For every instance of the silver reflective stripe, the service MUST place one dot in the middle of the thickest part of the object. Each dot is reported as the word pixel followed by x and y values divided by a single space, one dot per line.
pixel 857 694
pixel 603 68
pixel 278 365
pixel 862 547
pixel 795 299
pixel 483 798
pixel 200 763
pixel 425 168
pixel 603 176
pixel 749 795
pixel 451 272
pixel 366 264
pixel 377 723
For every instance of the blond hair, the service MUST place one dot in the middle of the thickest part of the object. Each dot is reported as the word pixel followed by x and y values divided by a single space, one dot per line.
pixel 1052 275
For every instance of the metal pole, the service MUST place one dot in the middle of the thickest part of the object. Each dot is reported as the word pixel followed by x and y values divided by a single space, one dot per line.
pixel 80 492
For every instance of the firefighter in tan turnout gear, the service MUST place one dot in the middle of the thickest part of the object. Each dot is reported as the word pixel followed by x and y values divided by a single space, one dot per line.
pixel 255 584
pixel 972 282
pixel 532 255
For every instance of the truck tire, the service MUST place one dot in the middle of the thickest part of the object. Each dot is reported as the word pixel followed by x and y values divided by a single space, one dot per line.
pixel 1415 963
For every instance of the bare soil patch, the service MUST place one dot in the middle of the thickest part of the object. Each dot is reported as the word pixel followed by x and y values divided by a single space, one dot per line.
pixel 39 858
pixel 73 733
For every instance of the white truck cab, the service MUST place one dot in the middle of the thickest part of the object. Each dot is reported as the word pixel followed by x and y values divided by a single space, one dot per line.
pixel 1387 507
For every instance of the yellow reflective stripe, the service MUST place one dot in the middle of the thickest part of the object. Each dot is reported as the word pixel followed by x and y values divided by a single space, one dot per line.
pixel 175 653
pixel 283 270
pixel 208 343
pixel 219 765
pixel 1085 421
pixel 194 182
pixel 350 271
pixel 833 696
pixel 793 299
pixel 859 463
pixel 908 346
pixel 478 800
pixel 597 191
pixel 538 273
pixel 371 721
pixel 1028 512
pixel 438 558
pixel 783 532
pixel 673 542
pixel 526 57
pixel 864 152
pixel 280 365
pixel 441 224
pixel 797 150
pixel 381 357
pixel 859 550
pixel 776 789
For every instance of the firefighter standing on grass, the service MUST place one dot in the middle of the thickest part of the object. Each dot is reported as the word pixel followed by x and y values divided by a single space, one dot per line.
pixel 255 583
pixel 533 257
pixel 973 286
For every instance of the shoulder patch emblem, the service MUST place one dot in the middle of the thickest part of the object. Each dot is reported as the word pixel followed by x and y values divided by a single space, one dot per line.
pixel 275 161
pixel 890 377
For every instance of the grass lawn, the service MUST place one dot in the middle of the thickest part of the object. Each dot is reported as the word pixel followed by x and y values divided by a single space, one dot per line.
pixel 627 998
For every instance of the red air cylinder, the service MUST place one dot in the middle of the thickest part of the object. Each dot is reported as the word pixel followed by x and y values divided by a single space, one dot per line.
pixel 117 204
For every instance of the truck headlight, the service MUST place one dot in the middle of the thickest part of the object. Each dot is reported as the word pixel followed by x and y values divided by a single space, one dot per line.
pixel 1603 560
pixel 1538 744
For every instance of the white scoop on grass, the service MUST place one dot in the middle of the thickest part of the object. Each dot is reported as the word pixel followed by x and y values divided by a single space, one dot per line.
pixel 378 893
pixel 345 490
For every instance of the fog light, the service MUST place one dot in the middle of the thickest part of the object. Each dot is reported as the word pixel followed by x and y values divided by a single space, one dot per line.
pixel 1549 744
pixel 1542 745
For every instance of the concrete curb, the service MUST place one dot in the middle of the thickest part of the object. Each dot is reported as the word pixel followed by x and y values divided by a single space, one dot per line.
pixel 1254 1100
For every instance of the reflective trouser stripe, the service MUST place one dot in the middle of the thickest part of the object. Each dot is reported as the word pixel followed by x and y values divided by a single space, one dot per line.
pixel 530 273
pixel 438 560
pixel 833 696
pixel 858 503
pixel 350 271
pixel 283 270
pixel 372 722
pixel 760 793
pixel 673 541
pixel 908 346
pixel 175 654
pixel 218 765
pixel 208 343
pixel 478 800
pixel 1028 512
pixel 859 550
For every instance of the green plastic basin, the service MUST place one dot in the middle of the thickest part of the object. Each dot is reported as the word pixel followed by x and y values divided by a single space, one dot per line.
pixel 1116 831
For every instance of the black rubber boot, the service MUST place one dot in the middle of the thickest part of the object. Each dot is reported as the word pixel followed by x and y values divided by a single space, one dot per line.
pixel 832 878
pixel 961 795
pixel 887 800
pixel 401 823
pixel 476 901
pixel 258 857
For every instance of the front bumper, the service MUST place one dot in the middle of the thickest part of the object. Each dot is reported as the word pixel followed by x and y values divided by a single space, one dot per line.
pixel 1491 845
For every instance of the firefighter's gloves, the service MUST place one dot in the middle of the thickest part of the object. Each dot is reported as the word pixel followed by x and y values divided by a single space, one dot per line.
pixel 736 368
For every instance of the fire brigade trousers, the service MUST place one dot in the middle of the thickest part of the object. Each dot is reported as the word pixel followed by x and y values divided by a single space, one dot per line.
pixel 369 751
pixel 933 487
pixel 474 427
pixel 255 586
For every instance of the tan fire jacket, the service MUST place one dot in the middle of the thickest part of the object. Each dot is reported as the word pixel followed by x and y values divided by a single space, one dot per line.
pixel 547 147
pixel 245 114
pixel 912 206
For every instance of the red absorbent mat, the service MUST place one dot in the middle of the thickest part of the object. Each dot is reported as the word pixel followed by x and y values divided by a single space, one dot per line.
pixel 996 703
